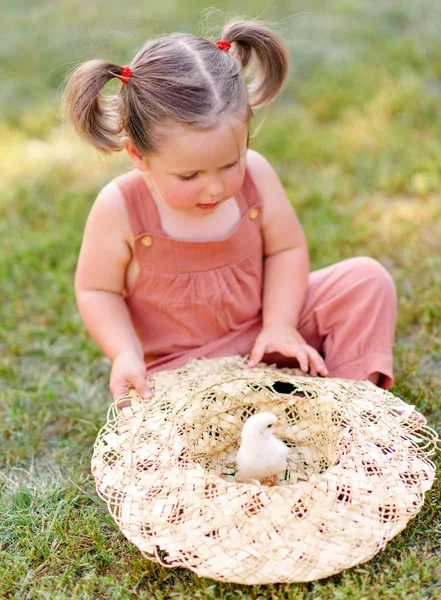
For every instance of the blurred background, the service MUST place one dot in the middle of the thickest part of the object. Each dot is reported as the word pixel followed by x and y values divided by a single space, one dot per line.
pixel 355 138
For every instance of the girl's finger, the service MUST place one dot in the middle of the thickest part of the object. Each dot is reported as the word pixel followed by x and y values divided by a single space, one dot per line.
pixel 124 403
pixel 317 363
pixel 140 384
pixel 144 391
pixel 301 355
pixel 256 354
pixel 117 389
pixel 312 370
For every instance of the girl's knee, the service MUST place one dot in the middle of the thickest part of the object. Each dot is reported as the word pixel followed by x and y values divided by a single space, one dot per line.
pixel 373 276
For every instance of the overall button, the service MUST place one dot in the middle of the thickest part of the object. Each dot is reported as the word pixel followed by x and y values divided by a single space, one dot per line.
pixel 146 240
pixel 254 213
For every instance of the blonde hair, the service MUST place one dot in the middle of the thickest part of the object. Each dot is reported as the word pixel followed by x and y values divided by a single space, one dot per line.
pixel 180 78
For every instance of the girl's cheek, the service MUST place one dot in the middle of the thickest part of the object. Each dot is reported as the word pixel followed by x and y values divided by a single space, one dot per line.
pixel 181 194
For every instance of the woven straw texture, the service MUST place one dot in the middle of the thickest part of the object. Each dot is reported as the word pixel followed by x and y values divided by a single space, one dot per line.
pixel 357 472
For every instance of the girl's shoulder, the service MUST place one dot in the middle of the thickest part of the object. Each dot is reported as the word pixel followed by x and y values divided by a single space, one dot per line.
pixel 109 212
pixel 267 182
pixel 110 197
pixel 262 173
pixel 280 226
pixel 256 161
pixel 257 166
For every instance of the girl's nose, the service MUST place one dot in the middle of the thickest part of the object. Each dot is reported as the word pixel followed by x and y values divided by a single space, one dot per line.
pixel 215 187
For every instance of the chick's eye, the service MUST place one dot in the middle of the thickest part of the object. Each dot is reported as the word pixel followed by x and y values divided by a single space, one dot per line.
pixel 269 426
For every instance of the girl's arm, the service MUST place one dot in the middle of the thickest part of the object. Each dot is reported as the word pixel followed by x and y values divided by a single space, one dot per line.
pixel 286 272
pixel 99 286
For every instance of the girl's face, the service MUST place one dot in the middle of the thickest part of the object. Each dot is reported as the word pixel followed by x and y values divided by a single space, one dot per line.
pixel 194 171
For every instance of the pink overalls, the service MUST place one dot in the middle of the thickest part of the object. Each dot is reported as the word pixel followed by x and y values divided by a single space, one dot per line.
pixel 197 299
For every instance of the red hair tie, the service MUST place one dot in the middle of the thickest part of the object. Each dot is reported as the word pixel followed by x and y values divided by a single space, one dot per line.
pixel 125 75
pixel 223 45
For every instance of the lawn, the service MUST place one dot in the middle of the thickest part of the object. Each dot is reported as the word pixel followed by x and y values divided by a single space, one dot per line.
pixel 356 140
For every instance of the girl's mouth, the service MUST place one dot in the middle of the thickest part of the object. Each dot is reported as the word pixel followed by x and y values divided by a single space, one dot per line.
pixel 207 206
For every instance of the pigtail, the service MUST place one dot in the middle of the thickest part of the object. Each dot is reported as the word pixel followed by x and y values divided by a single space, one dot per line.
pixel 96 118
pixel 179 78
pixel 252 39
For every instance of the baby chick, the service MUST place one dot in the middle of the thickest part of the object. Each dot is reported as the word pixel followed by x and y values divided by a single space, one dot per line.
pixel 261 454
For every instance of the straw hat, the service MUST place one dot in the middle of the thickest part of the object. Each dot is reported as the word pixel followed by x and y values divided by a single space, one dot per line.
pixel 357 472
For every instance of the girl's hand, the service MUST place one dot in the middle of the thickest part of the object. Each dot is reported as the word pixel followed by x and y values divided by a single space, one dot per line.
pixel 286 340
pixel 128 370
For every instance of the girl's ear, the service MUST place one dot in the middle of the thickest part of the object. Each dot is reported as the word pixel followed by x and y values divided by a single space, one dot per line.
pixel 138 159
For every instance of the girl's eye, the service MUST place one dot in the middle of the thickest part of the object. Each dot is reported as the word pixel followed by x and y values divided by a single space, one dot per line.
pixel 193 175
pixel 234 164
pixel 187 177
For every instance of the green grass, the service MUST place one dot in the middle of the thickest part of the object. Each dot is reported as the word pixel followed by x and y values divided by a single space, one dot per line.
pixel 356 139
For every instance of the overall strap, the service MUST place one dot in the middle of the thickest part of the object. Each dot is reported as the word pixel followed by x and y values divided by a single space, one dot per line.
pixel 140 206
pixel 248 194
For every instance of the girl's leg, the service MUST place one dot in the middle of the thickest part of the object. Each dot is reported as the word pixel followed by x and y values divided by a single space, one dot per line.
pixel 349 316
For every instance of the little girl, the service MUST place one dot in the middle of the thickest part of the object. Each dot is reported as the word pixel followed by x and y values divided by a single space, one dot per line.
pixel 197 252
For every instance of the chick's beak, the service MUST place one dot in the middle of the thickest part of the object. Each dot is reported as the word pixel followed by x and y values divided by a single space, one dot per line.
pixel 278 424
